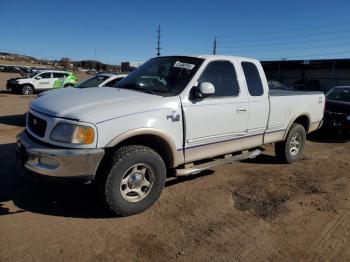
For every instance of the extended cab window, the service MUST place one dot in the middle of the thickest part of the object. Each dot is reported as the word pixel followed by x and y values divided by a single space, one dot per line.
pixel 223 76
pixel 253 79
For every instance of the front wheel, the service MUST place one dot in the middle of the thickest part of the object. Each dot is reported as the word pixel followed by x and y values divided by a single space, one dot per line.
pixel 27 90
pixel 134 180
pixel 291 150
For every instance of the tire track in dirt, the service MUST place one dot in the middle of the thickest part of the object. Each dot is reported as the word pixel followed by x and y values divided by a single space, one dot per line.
pixel 332 239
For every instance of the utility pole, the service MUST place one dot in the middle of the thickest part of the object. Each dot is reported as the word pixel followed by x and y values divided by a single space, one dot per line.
pixel 158 41
pixel 95 59
pixel 214 46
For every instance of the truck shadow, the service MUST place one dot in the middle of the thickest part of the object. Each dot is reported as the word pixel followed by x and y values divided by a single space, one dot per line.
pixel 176 180
pixel 263 159
pixel 14 120
pixel 44 197
pixel 30 194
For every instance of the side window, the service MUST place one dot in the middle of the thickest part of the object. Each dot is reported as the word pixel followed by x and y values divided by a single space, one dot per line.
pixel 58 75
pixel 253 79
pixel 223 76
pixel 45 75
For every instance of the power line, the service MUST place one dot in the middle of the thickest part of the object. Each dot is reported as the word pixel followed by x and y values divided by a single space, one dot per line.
pixel 285 31
pixel 310 55
pixel 283 47
pixel 264 39
pixel 283 42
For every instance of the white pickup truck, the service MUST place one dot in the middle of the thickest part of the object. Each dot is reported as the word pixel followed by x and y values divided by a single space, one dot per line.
pixel 173 116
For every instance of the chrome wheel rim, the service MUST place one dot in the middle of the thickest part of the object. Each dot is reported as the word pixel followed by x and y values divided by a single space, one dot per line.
pixel 27 90
pixel 295 144
pixel 137 182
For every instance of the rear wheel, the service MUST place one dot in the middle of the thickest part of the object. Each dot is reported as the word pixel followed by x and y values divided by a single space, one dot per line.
pixel 133 181
pixel 291 150
pixel 27 90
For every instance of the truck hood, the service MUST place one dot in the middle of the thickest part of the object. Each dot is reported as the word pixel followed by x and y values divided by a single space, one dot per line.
pixel 94 104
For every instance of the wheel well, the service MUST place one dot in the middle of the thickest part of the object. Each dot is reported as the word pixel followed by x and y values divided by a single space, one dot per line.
pixel 156 143
pixel 28 84
pixel 304 121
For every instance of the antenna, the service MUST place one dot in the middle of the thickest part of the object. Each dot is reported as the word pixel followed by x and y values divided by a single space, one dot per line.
pixel 214 46
pixel 158 41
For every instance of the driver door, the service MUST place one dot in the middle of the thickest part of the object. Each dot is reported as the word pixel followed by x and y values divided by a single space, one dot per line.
pixel 214 125
pixel 44 81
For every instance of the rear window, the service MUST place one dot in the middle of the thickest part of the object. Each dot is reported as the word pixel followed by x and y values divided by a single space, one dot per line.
pixel 253 79
pixel 58 75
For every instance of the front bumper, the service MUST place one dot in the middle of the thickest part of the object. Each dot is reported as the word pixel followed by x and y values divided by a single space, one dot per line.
pixel 14 87
pixel 60 163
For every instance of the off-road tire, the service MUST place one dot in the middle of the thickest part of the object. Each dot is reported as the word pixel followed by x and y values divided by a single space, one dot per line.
pixel 27 90
pixel 283 149
pixel 109 179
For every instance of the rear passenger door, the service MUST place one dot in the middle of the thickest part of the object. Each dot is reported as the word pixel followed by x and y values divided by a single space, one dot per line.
pixel 58 80
pixel 258 96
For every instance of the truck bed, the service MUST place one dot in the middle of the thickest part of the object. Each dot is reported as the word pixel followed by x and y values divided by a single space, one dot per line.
pixel 280 92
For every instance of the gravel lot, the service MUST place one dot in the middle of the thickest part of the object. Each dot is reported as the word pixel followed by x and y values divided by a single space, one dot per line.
pixel 254 210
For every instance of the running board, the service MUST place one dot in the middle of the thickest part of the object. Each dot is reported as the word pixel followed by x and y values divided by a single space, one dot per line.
pixel 195 169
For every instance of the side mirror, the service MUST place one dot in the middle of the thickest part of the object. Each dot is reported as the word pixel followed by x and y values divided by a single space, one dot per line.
pixel 206 89
pixel 38 78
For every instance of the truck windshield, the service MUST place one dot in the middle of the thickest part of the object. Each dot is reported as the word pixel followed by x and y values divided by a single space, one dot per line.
pixel 339 94
pixel 164 76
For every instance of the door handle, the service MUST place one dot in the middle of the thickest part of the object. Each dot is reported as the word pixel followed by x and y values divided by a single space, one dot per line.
pixel 241 110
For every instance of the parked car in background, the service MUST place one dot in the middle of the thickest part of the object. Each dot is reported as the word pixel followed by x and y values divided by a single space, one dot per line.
pixel 92 71
pixel 273 84
pixel 307 85
pixel 44 80
pixel 101 80
pixel 337 110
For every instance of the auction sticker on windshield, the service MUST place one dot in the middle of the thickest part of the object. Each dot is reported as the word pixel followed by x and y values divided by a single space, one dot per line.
pixel 184 65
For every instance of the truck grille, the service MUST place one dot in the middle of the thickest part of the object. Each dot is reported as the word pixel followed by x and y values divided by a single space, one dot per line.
pixel 36 125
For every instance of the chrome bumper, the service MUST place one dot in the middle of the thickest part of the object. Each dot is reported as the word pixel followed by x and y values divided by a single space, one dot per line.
pixel 57 162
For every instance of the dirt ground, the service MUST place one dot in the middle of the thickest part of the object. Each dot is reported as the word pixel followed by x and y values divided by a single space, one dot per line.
pixel 258 210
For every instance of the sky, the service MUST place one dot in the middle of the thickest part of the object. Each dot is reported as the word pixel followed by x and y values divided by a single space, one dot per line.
pixel 126 31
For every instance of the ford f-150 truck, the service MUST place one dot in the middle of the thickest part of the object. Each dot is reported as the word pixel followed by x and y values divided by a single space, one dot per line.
pixel 173 116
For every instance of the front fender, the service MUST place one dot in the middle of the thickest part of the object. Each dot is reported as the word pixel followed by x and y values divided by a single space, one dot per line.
pixel 177 155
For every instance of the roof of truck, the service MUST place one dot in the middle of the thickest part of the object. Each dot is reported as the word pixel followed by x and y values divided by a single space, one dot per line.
pixel 215 57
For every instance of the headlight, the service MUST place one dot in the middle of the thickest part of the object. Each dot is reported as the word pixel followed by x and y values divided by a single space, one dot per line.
pixel 348 118
pixel 73 134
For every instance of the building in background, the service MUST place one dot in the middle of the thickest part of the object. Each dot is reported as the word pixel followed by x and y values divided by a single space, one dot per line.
pixel 309 74
pixel 130 66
